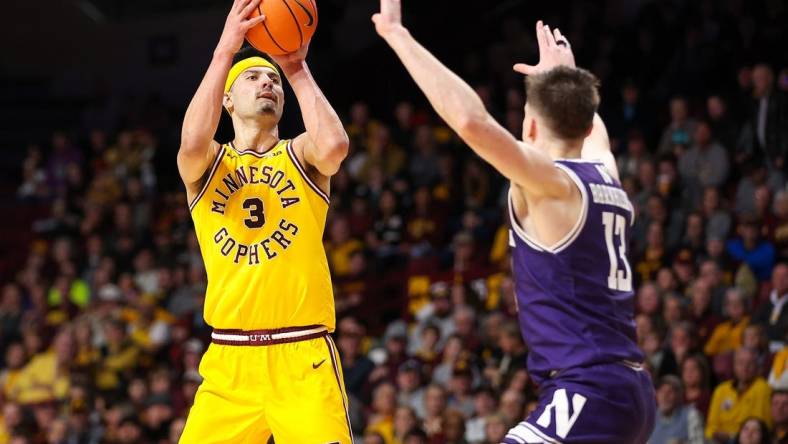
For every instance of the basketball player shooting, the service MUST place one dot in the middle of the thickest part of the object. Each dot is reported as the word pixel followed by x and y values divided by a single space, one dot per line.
pixel 571 223
pixel 259 206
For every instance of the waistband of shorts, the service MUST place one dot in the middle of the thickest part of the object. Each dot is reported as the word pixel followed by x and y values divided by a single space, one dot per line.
pixel 636 366
pixel 268 337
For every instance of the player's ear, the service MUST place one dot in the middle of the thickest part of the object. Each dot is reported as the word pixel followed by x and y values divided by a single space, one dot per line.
pixel 531 130
pixel 227 102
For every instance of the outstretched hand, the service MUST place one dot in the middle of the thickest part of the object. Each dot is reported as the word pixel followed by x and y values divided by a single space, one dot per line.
pixel 554 50
pixel 389 18
pixel 237 24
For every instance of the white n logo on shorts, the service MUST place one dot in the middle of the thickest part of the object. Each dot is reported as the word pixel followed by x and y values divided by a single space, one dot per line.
pixel 563 422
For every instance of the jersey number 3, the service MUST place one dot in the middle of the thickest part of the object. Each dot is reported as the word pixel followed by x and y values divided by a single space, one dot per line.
pixel 256 217
pixel 615 229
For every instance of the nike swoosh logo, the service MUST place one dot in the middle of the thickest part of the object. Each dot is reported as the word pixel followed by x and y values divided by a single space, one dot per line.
pixel 318 364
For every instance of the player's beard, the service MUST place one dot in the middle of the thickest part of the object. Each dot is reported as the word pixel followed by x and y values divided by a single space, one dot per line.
pixel 267 108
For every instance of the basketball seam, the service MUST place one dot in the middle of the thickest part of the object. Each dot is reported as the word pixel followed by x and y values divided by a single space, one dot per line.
pixel 265 26
pixel 298 25
pixel 306 10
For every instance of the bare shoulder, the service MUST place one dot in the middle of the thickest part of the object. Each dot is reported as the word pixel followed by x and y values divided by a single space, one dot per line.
pixel 195 170
pixel 299 144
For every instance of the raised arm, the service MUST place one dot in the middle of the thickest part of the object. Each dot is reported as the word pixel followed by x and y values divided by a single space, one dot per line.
pixel 464 112
pixel 202 116
pixel 597 146
pixel 325 143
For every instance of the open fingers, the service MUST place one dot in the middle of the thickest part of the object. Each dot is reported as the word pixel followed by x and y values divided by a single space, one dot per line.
pixel 249 7
pixel 560 37
pixel 540 37
pixel 254 21
pixel 240 5
pixel 549 36
pixel 522 68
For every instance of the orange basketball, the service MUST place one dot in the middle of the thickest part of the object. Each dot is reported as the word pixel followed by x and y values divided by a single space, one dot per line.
pixel 288 25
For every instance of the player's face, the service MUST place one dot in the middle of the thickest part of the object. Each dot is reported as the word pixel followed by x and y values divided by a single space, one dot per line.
pixel 258 92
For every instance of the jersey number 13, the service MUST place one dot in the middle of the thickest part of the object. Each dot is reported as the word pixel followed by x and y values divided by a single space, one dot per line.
pixel 615 230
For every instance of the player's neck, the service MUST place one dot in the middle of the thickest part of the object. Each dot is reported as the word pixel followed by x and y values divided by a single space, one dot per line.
pixel 255 135
pixel 561 149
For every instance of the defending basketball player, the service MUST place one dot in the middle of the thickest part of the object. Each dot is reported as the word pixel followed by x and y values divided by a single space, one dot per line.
pixel 259 206
pixel 571 223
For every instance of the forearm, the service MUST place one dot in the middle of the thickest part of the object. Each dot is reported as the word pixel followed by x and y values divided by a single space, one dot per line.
pixel 320 120
pixel 205 109
pixel 452 98
pixel 462 109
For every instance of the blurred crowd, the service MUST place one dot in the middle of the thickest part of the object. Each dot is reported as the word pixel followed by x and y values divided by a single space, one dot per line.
pixel 101 328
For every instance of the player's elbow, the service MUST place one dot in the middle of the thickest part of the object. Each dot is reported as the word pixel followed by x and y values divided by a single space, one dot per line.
pixel 470 125
pixel 330 157
pixel 335 151
pixel 330 160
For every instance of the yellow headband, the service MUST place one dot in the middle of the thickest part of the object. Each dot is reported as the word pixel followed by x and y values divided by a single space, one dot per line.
pixel 242 66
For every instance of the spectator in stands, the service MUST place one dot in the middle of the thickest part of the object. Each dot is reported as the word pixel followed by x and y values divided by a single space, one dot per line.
pixel 711 273
pixel 727 336
pixel 765 134
pixel 434 407
pixel 677 135
pixel 46 377
pixel 381 417
pixel 705 163
pixel 700 312
pixel 495 428
pixel 780 416
pixel 695 377
pixel 753 431
pixel 636 154
pixel 780 233
pixel 453 427
pixel 778 375
pixel 484 404
pixel 773 313
pixel 675 421
pixel 356 367
pixel 735 400
pixel 460 396
pixel 405 421
pixel 513 353
pixel 754 337
pixel 723 126
pixel 749 248
pixel 718 221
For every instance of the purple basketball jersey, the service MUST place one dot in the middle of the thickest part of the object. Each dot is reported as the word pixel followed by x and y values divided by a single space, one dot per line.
pixel 575 298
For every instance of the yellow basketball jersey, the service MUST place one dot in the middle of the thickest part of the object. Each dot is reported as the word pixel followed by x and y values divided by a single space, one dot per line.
pixel 259 220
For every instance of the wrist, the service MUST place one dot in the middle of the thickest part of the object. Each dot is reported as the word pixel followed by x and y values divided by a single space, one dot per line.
pixel 290 69
pixel 223 53
pixel 394 32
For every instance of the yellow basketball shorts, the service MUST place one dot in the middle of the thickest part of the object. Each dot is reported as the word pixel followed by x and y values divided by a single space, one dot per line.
pixel 286 383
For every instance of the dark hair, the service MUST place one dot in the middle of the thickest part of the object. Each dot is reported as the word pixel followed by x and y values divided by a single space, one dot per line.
pixel 765 435
pixel 249 51
pixel 566 97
